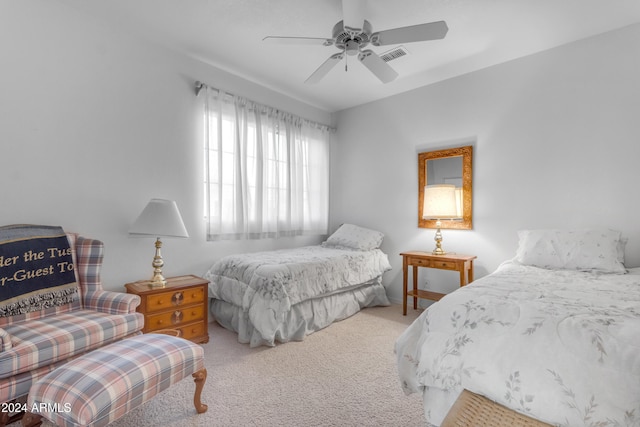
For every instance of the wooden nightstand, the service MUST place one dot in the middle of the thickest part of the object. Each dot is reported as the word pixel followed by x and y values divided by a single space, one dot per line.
pixel 183 305
pixel 454 262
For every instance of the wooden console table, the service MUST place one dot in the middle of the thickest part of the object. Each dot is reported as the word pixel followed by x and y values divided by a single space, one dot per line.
pixel 455 262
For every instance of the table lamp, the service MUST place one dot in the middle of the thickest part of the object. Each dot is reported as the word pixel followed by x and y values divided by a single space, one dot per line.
pixel 160 218
pixel 440 202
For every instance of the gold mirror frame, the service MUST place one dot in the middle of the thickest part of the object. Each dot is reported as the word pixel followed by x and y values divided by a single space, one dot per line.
pixel 467 174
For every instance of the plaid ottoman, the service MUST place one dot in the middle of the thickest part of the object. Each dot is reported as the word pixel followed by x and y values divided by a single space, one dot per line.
pixel 101 386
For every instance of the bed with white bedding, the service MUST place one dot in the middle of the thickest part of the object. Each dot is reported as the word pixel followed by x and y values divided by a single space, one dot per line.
pixel 284 295
pixel 553 333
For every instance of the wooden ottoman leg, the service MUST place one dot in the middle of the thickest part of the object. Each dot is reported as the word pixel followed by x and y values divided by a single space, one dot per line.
pixel 199 378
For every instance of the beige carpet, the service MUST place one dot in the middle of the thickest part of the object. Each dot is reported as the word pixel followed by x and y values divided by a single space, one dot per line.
pixel 343 375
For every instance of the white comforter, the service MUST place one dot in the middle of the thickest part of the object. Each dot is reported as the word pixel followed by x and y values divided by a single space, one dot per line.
pixel 268 284
pixel 560 346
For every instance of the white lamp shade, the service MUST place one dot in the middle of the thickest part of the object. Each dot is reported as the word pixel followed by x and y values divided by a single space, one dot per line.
pixel 160 218
pixel 440 202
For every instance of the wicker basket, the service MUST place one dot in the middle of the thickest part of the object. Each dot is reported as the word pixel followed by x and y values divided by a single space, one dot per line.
pixel 473 410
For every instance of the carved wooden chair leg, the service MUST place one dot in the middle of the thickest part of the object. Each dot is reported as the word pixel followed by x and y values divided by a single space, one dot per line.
pixel 199 378
pixel 31 420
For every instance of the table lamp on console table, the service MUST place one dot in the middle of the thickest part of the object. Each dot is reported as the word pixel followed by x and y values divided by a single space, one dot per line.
pixel 160 218
pixel 441 202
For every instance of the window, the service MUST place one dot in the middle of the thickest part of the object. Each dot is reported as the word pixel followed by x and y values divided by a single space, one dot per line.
pixel 266 172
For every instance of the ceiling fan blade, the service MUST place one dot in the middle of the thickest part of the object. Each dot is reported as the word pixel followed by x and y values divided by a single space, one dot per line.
pixel 317 41
pixel 377 66
pixel 415 33
pixel 324 69
pixel 353 13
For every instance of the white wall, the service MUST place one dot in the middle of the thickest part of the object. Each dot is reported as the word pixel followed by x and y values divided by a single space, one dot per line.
pixel 95 121
pixel 555 140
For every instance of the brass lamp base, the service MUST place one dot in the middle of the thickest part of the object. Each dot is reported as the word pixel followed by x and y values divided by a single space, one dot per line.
pixel 438 238
pixel 158 280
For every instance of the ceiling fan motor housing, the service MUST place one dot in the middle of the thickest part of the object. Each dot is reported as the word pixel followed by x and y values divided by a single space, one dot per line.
pixel 351 40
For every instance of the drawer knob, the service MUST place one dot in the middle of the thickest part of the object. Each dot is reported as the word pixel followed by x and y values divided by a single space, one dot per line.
pixel 176 317
pixel 177 298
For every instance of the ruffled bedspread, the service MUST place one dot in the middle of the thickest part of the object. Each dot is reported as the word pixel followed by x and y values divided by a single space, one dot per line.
pixel 268 284
pixel 560 346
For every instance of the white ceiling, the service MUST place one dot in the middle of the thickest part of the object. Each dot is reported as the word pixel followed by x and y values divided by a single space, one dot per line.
pixel 228 34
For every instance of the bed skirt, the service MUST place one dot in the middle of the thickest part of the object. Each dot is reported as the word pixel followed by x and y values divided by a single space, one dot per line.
pixel 304 318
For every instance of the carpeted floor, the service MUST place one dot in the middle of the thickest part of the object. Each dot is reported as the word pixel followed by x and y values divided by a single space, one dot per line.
pixel 343 375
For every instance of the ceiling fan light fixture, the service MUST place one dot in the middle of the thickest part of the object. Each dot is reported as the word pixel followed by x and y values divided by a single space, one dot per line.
pixel 352 47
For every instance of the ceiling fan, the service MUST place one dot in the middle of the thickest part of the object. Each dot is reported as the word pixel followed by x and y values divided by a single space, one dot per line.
pixel 354 33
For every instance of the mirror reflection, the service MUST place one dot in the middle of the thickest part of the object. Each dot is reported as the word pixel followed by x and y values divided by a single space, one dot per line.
pixel 445 171
pixel 449 167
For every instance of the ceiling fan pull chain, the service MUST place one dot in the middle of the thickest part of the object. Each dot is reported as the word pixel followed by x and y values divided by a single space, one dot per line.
pixel 346 61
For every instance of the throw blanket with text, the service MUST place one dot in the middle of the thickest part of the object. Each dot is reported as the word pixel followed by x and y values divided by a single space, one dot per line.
pixel 36 269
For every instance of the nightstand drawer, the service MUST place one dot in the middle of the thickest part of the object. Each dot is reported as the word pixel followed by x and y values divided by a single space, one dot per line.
pixel 175 317
pixel 174 299
pixel 191 331
pixel 421 262
pixel 447 265
pixel 433 263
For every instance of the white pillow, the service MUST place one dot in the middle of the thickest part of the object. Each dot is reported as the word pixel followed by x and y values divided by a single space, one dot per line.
pixel 353 237
pixel 584 250
pixel 539 248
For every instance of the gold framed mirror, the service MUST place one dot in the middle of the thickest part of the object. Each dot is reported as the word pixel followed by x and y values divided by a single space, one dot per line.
pixel 450 166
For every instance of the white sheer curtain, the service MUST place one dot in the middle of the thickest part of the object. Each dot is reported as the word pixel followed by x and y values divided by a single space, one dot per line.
pixel 266 172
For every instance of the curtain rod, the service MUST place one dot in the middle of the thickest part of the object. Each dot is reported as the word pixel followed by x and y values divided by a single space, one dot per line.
pixel 200 86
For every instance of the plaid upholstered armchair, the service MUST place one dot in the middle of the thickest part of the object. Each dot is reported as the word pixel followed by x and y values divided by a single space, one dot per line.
pixel 52 305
